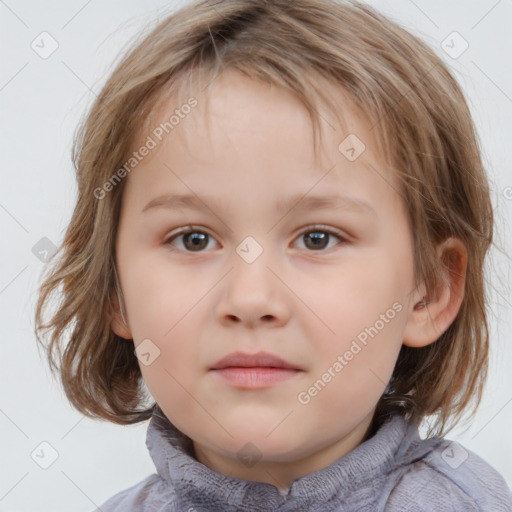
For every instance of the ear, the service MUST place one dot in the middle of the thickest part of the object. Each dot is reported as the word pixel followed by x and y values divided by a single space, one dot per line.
pixel 430 317
pixel 117 323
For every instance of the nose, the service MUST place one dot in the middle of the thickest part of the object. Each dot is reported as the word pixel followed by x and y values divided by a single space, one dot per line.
pixel 254 294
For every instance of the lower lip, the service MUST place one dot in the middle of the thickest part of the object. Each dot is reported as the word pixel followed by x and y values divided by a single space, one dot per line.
pixel 255 378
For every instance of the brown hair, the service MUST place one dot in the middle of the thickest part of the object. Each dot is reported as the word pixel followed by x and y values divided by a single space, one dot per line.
pixel 425 131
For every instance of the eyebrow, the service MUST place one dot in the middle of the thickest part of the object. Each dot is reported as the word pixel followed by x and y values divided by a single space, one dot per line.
pixel 298 201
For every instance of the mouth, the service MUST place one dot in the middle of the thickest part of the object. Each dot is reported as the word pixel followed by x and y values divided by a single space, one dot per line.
pixel 254 371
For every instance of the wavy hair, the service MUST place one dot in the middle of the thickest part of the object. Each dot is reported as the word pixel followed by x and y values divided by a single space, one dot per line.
pixel 424 128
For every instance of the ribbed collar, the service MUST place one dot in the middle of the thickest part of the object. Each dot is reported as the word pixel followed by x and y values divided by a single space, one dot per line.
pixel 396 443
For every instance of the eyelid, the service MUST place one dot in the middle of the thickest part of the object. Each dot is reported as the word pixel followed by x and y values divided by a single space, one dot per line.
pixel 343 238
pixel 322 227
pixel 189 228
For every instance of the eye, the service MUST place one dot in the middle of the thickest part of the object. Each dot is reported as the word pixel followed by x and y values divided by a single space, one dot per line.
pixel 193 240
pixel 317 238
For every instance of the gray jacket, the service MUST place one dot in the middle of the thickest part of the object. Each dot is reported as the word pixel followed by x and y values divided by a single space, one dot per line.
pixel 395 470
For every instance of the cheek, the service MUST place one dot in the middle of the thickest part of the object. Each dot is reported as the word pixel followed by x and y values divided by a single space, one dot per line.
pixel 366 315
pixel 351 374
pixel 161 311
pixel 158 296
pixel 172 377
pixel 355 297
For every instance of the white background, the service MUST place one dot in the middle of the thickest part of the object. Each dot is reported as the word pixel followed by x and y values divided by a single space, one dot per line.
pixel 41 102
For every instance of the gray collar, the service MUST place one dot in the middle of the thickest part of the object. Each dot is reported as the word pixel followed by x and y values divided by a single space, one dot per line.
pixel 190 483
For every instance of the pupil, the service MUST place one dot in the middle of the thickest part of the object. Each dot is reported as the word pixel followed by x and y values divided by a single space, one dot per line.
pixel 197 240
pixel 318 239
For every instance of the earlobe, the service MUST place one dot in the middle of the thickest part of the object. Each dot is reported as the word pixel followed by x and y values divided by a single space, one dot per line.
pixel 118 322
pixel 120 328
pixel 430 319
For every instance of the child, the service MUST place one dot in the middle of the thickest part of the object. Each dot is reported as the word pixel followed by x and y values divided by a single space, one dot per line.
pixel 330 300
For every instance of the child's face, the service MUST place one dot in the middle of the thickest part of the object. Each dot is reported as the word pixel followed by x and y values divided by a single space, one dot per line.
pixel 308 298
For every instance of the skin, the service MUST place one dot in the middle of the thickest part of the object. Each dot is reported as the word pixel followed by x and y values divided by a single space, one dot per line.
pixel 303 303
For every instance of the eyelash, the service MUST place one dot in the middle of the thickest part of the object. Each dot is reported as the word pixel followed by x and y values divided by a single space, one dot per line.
pixel 310 229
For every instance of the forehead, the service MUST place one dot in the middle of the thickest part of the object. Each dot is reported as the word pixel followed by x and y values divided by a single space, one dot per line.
pixel 242 130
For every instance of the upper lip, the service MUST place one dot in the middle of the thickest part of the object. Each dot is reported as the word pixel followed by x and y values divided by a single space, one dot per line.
pixel 259 360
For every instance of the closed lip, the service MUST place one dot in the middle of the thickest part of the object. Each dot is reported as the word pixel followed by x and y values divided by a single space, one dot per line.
pixel 259 360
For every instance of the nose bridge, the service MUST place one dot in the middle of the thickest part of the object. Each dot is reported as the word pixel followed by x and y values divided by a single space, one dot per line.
pixel 251 272
pixel 250 250
pixel 252 292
